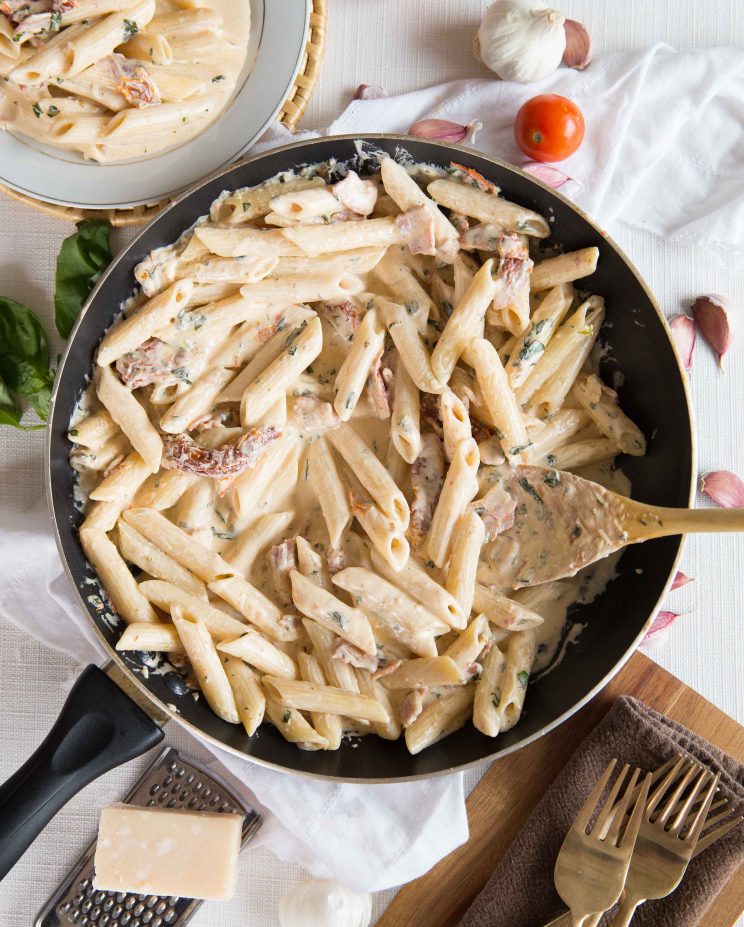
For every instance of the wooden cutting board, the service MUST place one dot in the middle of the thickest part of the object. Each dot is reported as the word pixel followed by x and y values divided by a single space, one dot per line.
pixel 506 795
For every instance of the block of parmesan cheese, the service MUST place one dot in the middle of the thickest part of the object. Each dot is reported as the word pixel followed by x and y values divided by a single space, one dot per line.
pixel 168 851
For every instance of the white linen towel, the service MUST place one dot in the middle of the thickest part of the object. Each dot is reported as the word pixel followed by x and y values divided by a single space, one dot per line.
pixel 663 151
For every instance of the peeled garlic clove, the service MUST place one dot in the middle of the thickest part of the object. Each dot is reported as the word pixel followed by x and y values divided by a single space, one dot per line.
pixel 685 336
pixel 723 487
pixel 440 129
pixel 369 92
pixel 712 316
pixel 661 624
pixel 521 40
pixel 547 173
pixel 324 904
pixel 680 580
pixel 578 51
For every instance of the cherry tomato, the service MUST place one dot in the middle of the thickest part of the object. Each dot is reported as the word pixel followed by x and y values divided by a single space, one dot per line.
pixel 549 127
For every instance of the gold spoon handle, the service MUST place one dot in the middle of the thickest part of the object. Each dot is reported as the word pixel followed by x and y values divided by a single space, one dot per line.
pixel 643 522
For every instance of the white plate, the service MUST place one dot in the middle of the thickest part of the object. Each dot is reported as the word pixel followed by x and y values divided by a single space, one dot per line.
pixel 279 34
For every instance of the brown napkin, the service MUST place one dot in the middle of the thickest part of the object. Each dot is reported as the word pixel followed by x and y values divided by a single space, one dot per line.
pixel 521 893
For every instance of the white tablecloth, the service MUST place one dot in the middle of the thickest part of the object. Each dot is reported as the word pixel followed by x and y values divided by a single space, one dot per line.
pixel 401 45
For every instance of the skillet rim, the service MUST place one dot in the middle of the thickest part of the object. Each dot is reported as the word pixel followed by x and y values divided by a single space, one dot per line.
pixel 147 698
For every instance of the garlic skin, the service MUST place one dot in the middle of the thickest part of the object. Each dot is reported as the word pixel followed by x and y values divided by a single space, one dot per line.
pixel 440 129
pixel 578 53
pixel 324 904
pixel 369 92
pixel 711 313
pixel 685 336
pixel 680 579
pixel 723 487
pixel 521 40
pixel 549 174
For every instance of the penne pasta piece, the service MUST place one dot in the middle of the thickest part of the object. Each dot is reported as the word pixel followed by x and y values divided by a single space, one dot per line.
pixel 308 696
pixel 344 236
pixel 166 596
pixel 206 664
pixel 327 725
pixel 324 643
pixel 329 490
pixel 564 269
pixel 486 716
pixel 147 556
pixel 95 430
pixel 468 646
pixel 440 718
pixel 519 655
pixel 250 700
pixel 464 324
pixel 256 607
pixel 129 415
pixel 395 276
pixel 456 425
pixel 417 583
pixel 385 601
pixel 405 428
pixel 467 540
pixel 528 348
pixel 460 486
pixel 575 454
pixel 293 726
pixel 179 545
pixel 601 405
pixel 149 636
pixel 559 428
pixel 503 408
pixel 258 487
pixel 406 194
pixel 371 474
pixel 120 585
pixel 332 613
pixel 390 729
pixel 247 242
pixel 102 36
pixel 488 208
pixel 249 203
pixel 121 483
pixel 261 654
pixel 260 395
pixel 163 489
pixel 243 551
pixel 411 350
pixel 504 612
pixel 367 344
pixel 424 672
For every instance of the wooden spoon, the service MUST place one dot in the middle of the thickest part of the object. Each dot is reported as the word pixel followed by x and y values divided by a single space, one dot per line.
pixel 563 522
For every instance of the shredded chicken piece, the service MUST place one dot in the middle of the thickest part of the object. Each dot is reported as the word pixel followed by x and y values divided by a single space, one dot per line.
pixel 411 707
pixel 314 415
pixel 427 478
pixel 183 453
pixel 154 361
pixel 515 267
pixel 343 317
pixel 36 24
pixel 378 387
pixel 417 228
pixel 357 195
pixel 134 82
pixel 335 560
pixel 282 560
pixel 386 669
pixel 496 509
pixel 352 655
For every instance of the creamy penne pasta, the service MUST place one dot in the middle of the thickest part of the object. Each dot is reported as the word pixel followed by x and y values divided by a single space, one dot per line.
pixel 293 449
pixel 157 74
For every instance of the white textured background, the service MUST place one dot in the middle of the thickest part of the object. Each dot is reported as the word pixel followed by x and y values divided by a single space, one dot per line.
pixel 401 44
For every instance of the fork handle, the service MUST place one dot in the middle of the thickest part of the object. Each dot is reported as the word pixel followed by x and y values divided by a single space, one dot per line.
pixel 626 911
pixel 564 920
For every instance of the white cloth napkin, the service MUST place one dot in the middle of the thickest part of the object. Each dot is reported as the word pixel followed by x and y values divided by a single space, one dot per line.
pixel 662 152
pixel 369 837
pixel 663 149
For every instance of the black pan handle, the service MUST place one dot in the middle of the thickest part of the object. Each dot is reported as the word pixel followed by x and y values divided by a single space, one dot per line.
pixel 98 728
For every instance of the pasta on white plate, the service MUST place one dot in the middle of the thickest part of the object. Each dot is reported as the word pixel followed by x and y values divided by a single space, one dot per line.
pixel 295 474
pixel 117 80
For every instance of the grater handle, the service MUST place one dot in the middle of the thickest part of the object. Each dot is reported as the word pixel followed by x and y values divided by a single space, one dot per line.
pixel 98 728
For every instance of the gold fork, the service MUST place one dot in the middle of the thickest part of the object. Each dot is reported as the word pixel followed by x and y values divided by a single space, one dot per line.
pixel 718 823
pixel 591 867
pixel 665 843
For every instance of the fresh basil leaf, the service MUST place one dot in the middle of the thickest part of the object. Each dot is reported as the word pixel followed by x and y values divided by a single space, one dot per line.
pixel 81 261
pixel 40 402
pixel 24 350
pixel 10 411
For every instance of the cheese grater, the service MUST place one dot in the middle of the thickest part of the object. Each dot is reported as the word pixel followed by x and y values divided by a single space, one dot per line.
pixel 171 781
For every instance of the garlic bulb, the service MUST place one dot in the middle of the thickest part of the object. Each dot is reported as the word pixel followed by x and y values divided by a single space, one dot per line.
pixel 521 40
pixel 324 904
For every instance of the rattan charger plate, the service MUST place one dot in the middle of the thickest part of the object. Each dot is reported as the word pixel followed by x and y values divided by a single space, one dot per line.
pixel 290 114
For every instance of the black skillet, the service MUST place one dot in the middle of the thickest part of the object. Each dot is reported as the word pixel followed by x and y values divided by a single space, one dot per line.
pixel 101 727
